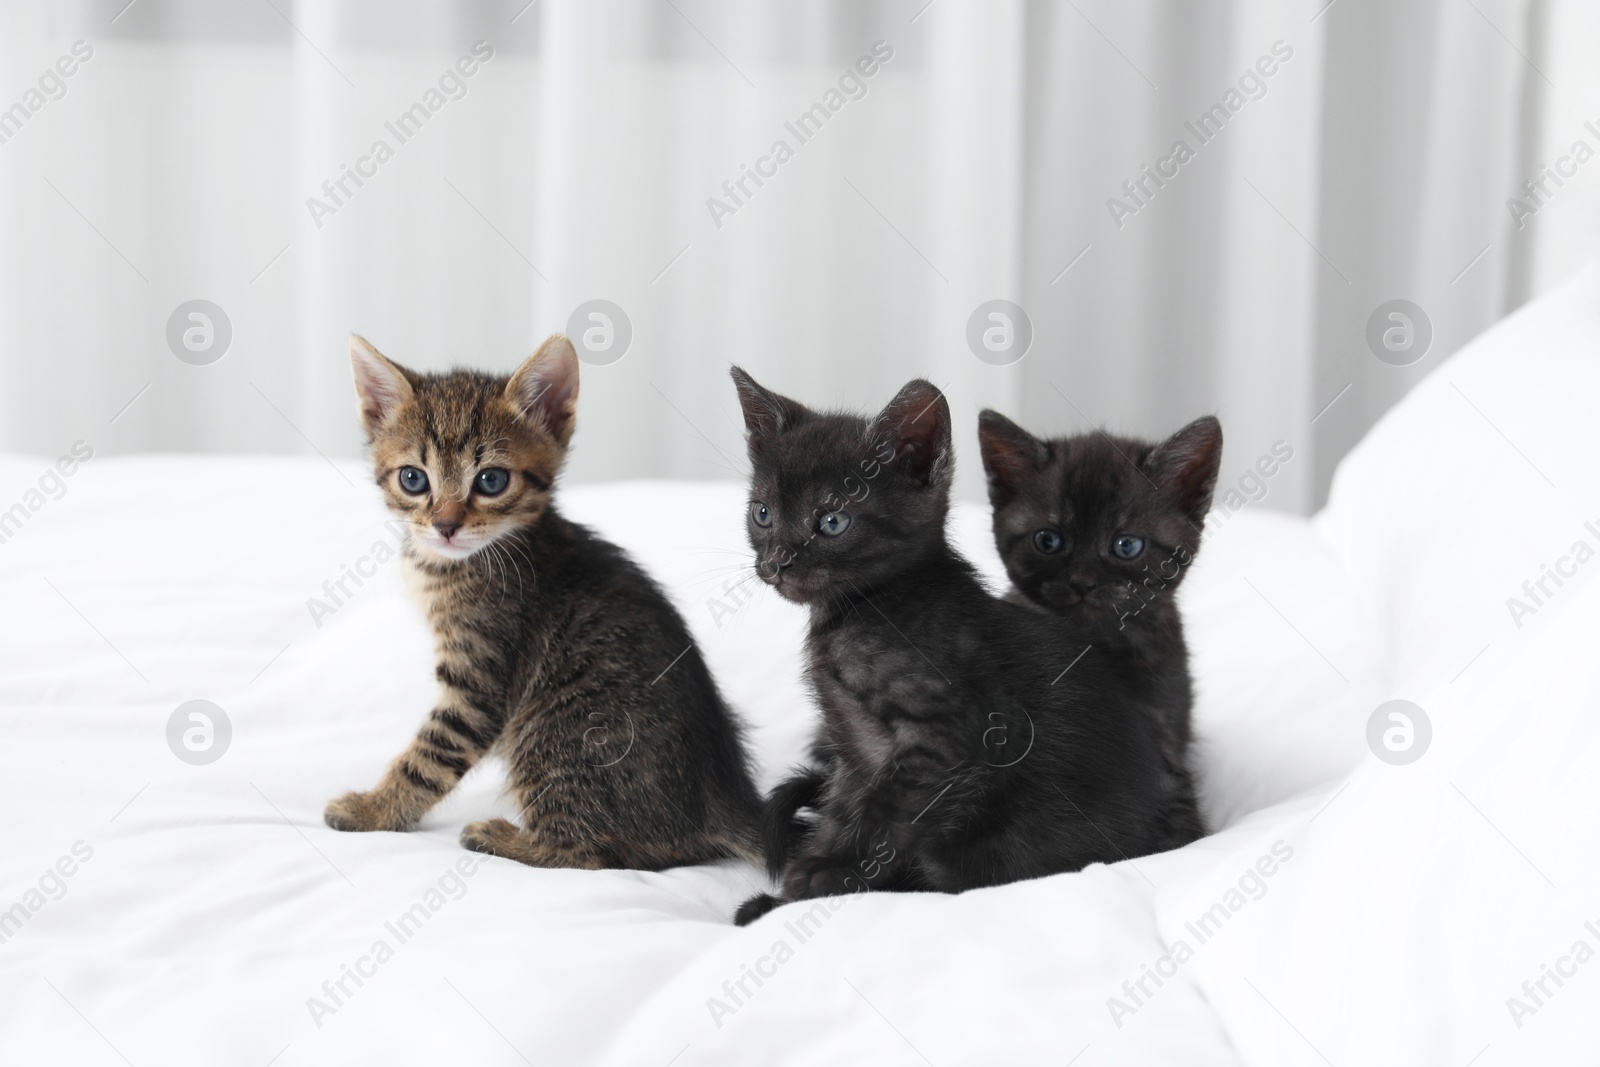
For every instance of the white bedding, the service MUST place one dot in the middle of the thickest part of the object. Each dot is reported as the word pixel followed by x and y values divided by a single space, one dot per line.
pixel 1369 913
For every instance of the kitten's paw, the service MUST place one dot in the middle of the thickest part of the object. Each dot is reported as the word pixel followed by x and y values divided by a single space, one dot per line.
pixel 361 813
pixel 822 876
pixel 497 837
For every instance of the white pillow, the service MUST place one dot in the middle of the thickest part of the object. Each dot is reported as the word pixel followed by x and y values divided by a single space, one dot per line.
pixel 1285 661
pixel 1427 900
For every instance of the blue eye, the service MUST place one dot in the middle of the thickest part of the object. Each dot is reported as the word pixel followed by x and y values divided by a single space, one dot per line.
pixel 833 523
pixel 759 514
pixel 413 481
pixel 492 481
pixel 1047 541
pixel 1127 546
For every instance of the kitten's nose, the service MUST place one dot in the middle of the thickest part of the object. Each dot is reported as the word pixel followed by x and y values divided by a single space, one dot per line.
pixel 772 566
pixel 446 527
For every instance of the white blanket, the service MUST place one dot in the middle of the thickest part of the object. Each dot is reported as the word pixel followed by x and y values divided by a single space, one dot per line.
pixel 1349 910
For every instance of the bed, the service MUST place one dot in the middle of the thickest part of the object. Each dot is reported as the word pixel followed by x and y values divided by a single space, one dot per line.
pixel 1378 891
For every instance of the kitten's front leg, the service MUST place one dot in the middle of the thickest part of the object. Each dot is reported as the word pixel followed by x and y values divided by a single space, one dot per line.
pixel 458 732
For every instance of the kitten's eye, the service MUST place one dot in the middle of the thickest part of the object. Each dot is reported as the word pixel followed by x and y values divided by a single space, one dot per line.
pixel 1127 546
pixel 759 514
pixel 1047 541
pixel 413 480
pixel 833 523
pixel 492 481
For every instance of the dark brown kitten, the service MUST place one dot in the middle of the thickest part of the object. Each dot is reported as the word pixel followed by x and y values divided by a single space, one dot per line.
pixel 552 645
pixel 1101 530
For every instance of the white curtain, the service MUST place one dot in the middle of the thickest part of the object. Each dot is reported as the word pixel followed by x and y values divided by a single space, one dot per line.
pixel 979 161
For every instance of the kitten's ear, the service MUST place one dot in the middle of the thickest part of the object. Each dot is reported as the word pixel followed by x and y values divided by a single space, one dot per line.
pixel 382 386
pixel 544 390
pixel 1010 454
pixel 1186 464
pixel 766 414
pixel 916 424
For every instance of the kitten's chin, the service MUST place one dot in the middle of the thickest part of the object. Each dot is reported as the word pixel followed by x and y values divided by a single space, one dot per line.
pixel 790 588
pixel 449 553
pixel 453 551
pixel 790 592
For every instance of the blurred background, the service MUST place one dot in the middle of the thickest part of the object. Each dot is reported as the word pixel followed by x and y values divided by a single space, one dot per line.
pixel 200 200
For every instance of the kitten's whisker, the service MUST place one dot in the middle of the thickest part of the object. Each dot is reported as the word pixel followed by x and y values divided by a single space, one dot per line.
pixel 498 556
pixel 522 549
pixel 716 572
pixel 723 466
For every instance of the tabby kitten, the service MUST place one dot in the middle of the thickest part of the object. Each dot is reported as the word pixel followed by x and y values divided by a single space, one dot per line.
pixel 552 645
pixel 1102 529
pixel 958 748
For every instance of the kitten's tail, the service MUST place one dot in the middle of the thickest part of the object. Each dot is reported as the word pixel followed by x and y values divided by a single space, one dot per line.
pixel 754 908
pixel 781 830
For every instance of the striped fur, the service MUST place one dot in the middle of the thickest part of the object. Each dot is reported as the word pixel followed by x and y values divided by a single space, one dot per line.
pixel 552 646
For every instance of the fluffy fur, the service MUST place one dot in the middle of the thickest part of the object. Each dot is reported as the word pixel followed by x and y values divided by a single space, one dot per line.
pixel 957 747
pixel 552 645
pixel 1062 507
